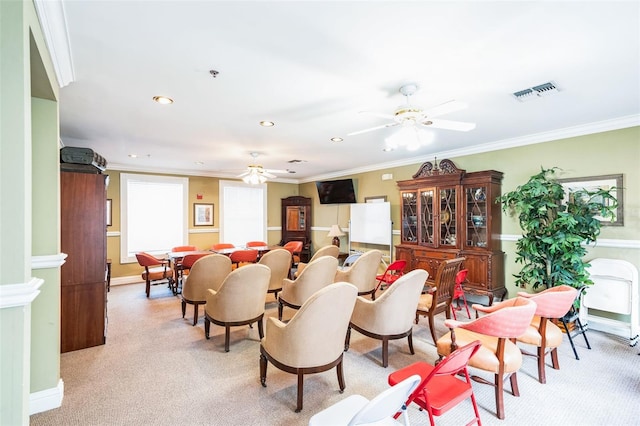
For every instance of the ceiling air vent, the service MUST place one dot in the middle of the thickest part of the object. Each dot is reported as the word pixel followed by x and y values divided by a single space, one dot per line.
pixel 535 92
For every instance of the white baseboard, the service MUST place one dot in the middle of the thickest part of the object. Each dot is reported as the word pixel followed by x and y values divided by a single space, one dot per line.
pixel 47 399
pixel 134 279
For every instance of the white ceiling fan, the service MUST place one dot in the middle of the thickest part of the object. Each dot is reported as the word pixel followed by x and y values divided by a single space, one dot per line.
pixel 255 173
pixel 413 116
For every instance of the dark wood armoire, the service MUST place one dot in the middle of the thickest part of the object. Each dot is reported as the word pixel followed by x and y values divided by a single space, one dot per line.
pixel 84 240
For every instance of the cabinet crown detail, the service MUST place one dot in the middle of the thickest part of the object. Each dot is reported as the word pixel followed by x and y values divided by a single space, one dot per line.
pixel 432 169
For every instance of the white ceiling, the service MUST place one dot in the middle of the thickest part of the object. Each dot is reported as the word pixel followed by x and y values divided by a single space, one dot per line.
pixel 312 67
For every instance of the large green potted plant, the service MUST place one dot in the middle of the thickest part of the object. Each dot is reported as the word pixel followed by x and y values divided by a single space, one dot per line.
pixel 555 229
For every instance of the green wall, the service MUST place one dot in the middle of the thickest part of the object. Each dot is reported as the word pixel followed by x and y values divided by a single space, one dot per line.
pixel 28 168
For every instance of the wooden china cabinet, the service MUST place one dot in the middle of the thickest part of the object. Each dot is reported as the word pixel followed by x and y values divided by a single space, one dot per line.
pixel 447 213
pixel 296 223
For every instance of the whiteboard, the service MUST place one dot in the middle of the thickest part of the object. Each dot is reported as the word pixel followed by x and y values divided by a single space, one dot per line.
pixel 371 223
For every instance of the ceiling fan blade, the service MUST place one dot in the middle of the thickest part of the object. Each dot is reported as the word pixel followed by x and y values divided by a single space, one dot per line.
pixel 449 125
pixel 276 171
pixel 268 175
pixel 445 108
pixel 378 114
pixel 372 128
pixel 243 174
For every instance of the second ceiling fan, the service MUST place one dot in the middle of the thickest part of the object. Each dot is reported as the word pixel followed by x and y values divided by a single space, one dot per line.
pixel 414 116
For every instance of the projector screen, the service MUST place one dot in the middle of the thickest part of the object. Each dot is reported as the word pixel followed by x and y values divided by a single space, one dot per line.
pixel 371 223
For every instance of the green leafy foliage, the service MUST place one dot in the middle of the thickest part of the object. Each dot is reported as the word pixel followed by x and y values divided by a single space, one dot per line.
pixel 555 229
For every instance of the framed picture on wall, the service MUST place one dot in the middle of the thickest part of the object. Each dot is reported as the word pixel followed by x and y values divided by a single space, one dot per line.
pixel 376 199
pixel 593 183
pixel 202 214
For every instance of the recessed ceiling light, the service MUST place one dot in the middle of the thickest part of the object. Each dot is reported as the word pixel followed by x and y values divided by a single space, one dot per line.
pixel 265 123
pixel 199 163
pixel 387 149
pixel 336 139
pixel 163 100
pixel 133 155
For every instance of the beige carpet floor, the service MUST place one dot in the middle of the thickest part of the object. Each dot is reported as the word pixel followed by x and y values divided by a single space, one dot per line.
pixel 157 369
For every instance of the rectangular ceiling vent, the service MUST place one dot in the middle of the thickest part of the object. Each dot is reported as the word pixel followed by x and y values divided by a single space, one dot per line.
pixel 535 92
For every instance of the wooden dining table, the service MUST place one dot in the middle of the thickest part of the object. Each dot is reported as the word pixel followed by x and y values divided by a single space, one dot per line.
pixel 175 261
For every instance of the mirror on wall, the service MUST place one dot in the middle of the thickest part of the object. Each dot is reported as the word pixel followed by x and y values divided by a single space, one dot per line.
pixel 295 218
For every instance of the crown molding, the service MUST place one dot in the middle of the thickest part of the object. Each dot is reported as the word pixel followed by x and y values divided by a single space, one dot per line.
pixel 53 23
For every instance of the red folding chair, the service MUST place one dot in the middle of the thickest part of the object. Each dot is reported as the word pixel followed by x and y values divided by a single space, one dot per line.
pixel 441 389
pixel 458 293
pixel 394 271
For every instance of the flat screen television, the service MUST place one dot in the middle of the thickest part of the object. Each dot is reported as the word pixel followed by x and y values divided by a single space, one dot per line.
pixel 336 191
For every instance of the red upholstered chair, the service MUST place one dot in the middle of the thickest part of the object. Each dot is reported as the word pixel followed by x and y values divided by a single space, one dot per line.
pixel 295 247
pixel 243 257
pixel 256 244
pixel 502 324
pixel 552 303
pixel 441 388
pixel 222 246
pixel 394 271
pixel 155 270
pixel 184 248
pixel 187 262
pixel 458 293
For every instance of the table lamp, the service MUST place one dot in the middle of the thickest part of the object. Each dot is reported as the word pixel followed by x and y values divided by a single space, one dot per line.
pixel 335 232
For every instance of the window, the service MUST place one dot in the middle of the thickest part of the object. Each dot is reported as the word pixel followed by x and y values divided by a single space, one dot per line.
pixel 243 211
pixel 153 214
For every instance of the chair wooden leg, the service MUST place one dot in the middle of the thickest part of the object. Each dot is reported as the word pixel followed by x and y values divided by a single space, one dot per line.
pixel 263 370
pixel 554 359
pixel 385 351
pixel 499 389
pixel 195 313
pixel 227 335
pixel 148 289
pixel 280 308
pixel 340 376
pixel 260 329
pixel 207 326
pixel 410 340
pixel 515 390
pixel 432 329
pixel 300 392
pixel 347 339
pixel 184 307
pixel 541 373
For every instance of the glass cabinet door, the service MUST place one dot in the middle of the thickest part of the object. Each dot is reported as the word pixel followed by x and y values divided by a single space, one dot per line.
pixel 409 217
pixel 476 216
pixel 426 216
pixel 447 208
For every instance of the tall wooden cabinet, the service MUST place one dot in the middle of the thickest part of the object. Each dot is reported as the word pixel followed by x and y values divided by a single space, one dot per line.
pixel 296 223
pixel 447 213
pixel 84 240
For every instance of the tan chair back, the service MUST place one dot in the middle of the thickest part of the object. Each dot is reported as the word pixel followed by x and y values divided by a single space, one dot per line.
pixel 279 261
pixel 208 272
pixel 316 275
pixel 241 295
pixel 331 250
pixel 362 273
pixel 313 337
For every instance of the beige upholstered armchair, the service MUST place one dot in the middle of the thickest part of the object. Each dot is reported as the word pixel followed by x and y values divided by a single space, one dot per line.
pixel 206 273
pixel 316 275
pixel 279 261
pixel 362 273
pixel 390 316
pixel 331 250
pixel 313 340
pixel 238 301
